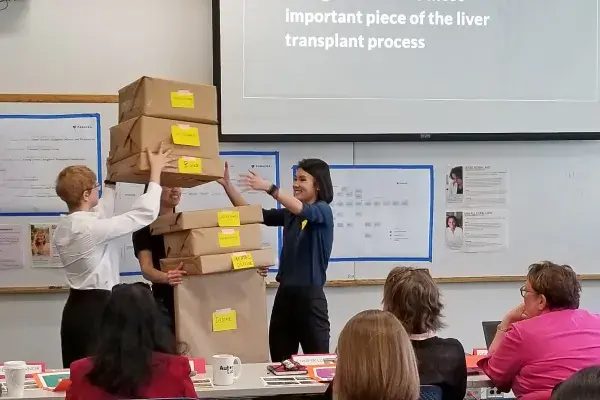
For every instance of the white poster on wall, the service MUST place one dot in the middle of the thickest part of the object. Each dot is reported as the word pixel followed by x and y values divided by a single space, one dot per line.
pixel 476 231
pixel 12 246
pixel 476 186
pixel 34 149
pixel 43 251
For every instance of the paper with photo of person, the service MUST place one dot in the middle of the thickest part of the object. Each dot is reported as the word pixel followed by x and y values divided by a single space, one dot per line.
pixel 476 186
pixel 43 251
pixel 476 231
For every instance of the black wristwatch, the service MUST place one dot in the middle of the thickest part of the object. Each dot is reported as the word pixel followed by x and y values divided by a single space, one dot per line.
pixel 273 190
pixel 109 183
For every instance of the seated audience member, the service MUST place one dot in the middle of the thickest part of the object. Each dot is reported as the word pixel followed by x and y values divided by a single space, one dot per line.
pixel 375 360
pixel 583 385
pixel 546 339
pixel 414 298
pixel 136 354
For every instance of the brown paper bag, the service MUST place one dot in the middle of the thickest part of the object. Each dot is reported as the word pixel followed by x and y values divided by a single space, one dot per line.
pixel 244 292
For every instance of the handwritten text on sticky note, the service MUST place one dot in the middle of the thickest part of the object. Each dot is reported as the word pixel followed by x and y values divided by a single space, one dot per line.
pixel 229 238
pixel 242 260
pixel 224 320
pixel 189 165
pixel 182 99
pixel 228 218
pixel 185 135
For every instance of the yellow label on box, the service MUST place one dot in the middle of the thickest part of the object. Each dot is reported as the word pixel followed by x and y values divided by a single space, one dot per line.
pixel 182 99
pixel 185 135
pixel 228 218
pixel 229 238
pixel 224 320
pixel 242 260
pixel 189 165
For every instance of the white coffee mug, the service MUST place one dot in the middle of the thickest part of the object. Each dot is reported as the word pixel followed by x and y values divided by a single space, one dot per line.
pixel 224 369
pixel 14 372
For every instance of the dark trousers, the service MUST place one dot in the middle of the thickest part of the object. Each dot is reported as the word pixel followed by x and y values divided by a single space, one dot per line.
pixel 167 305
pixel 299 317
pixel 80 321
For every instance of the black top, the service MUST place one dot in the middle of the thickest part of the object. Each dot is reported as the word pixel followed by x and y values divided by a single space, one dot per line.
pixel 442 363
pixel 163 293
pixel 307 243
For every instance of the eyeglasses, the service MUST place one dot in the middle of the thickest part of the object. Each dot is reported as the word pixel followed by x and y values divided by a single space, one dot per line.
pixel 524 291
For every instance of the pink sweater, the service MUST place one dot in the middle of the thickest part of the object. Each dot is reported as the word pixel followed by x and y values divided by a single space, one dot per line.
pixel 540 352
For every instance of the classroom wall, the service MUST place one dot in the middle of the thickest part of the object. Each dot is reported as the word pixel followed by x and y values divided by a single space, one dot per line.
pixel 95 47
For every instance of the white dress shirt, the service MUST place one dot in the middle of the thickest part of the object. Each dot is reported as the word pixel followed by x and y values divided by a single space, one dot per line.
pixel 454 240
pixel 86 243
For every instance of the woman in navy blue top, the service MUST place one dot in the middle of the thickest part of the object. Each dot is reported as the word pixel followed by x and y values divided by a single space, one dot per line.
pixel 300 315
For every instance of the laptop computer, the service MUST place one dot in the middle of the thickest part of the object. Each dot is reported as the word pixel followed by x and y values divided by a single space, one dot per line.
pixel 489 331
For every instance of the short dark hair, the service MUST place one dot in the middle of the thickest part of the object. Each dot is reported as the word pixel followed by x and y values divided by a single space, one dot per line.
pixel 319 170
pixel 558 283
pixel 449 217
pixel 132 328
pixel 457 172
pixel 413 297
pixel 583 385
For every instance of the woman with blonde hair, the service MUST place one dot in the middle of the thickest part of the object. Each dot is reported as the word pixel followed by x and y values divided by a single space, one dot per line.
pixel 375 360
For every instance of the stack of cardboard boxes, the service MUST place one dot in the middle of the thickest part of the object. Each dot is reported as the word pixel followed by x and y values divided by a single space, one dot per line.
pixel 182 116
pixel 221 304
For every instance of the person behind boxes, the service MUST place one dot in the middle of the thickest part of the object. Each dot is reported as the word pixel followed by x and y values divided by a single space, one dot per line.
pixel 150 249
pixel 136 356
pixel 87 246
pixel 299 315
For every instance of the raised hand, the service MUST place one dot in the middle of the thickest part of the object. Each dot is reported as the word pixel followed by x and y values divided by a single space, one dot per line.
pixel 225 180
pixel 160 159
pixel 254 181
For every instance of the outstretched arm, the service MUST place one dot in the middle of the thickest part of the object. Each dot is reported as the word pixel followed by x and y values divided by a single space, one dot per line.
pixel 235 197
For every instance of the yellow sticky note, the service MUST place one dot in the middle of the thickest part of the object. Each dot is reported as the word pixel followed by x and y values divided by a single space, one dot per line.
pixel 224 320
pixel 242 260
pixel 182 99
pixel 189 165
pixel 185 135
pixel 229 238
pixel 228 218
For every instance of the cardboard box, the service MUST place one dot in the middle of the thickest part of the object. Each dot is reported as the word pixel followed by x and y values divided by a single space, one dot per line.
pixel 136 169
pixel 215 263
pixel 220 217
pixel 205 241
pixel 183 138
pixel 202 303
pixel 162 98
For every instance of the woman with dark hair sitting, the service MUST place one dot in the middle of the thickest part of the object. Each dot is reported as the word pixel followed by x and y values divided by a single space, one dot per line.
pixel 136 354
